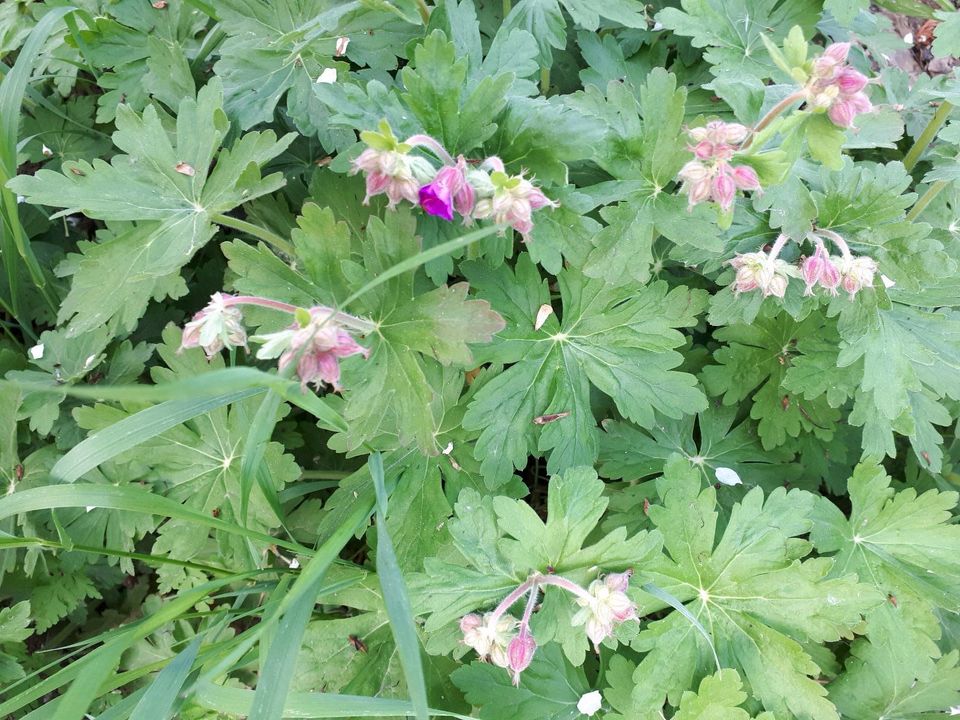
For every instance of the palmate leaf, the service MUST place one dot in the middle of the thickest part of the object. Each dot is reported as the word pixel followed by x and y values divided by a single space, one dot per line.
pixel 910 359
pixel 168 189
pixel 624 348
pixel 906 546
pixel 756 361
pixel 144 51
pixel 731 29
pixel 759 599
pixel 14 629
pixel 495 543
pixel 198 463
pixel 275 48
pixel 550 690
pixel 390 396
pixel 629 453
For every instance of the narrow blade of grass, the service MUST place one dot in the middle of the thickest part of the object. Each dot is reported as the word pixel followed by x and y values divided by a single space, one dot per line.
pixel 159 702
pixel 396 600
pixel 137 429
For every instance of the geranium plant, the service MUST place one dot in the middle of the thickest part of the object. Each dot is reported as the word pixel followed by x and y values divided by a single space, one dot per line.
pixel 516 360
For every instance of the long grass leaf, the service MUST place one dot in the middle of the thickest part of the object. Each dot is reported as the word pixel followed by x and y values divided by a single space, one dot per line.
pixel 159 702
pixel 396 599
pixel 136 429
pixel 235 701
pixel 129 499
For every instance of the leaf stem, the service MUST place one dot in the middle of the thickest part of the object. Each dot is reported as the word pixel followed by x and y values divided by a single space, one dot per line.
pixel 926 137
pixel 772 115
pixel 545 80
pixel 925 199
pixel 271 238
pixel 424 11
pixel 507 7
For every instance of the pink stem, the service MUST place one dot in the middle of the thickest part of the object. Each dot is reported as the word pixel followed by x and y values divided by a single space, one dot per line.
pixel 429 142
pixel 262 302
pixel 567 585
pixel 494 163
pixel 528 611
pixel 772 115
pixel 837 240
pixel 778 246
pixel 510 599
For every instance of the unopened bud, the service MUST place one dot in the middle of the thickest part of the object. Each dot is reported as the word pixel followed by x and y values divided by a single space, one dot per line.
pixel 520 653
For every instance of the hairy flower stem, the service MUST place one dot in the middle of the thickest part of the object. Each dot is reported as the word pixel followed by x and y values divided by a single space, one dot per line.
pixel 544 80
pixel 256 231
pixel 926 137
pixel 925 199
pixel 507 7
pixel 428 142
pixel 778 246
pixel 836 239
pixel 349 321
pixel 531 584
pixel 772 115
pixel 531 604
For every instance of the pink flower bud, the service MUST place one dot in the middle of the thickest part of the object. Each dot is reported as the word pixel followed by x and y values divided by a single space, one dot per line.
pixel 449 189
pixel 618 581
pixel 219 325
pixel 724 191
pixel 745 178
pixel 471 622
pixel 693 171
pixel 850 81
pixel 735 133
pixel 776 286
pixel 341 46
pixel 703 150
pixel 857 273
pixel 837 51
pixel 520 653
pixel 812 269
pixel 698 191
pixel 830 276
pixel 842 113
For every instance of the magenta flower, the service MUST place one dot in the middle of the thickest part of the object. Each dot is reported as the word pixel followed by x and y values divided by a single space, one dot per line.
pixel 447 191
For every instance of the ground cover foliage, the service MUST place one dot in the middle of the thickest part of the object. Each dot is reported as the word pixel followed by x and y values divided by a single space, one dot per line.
pixel 531 359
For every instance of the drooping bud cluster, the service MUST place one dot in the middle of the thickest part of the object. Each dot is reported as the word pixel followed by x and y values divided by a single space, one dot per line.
pixel 219 325
pixel 389 167
pixel 766 272
pixel 837 87
pixel 476 194
pixel 316 340
pixel 711 175
pixel 490 636
pixel 501 639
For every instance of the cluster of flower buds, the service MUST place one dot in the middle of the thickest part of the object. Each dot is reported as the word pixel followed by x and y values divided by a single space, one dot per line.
pixel 711 175
pixel 501 639
pixel 316 340
pixel 766 272
pixel 836 87
pixel 486 191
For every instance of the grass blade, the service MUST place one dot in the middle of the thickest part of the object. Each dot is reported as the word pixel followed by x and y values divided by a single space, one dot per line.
pixel 159 700
pixel 12 89
pixel 129 499
pixel 422 257
pixel 134 430
pixel 235 701
pixel 396 600
pixel 673 602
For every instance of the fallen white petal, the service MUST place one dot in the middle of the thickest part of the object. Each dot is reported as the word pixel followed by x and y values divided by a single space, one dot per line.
pixel 328 76
pixel 887 282
pixel 590 702
pixel 36 352
pixel 294 564
pixel 727 476
pixel 543 313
